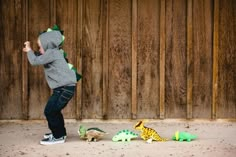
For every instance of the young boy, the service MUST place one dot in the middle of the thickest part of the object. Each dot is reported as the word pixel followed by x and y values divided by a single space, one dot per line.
pixel 60 78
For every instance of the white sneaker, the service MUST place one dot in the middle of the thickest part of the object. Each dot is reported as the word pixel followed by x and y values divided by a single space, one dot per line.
pixel 52 140
pixel 47 135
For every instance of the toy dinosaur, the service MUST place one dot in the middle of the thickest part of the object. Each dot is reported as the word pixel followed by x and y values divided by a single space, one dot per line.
pixel 124 135
pixel 91 134
pixel 148 134
pixel 183 136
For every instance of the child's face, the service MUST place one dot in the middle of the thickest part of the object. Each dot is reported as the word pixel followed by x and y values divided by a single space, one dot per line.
pixel 41 50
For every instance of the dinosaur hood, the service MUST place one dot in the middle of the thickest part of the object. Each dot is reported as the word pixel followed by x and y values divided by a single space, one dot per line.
pixel 51 40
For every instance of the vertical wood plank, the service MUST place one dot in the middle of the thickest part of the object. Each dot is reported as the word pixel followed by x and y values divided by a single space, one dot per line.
pixel 12 28
pixel 39 91
pixel 134 59
pixel 148 59
pixel 52 12
pixel 215 59
pixel 79 65
pixel 162 57
pixel 92 59
pixel 176 84
pixel 202 58
pixel 120 46
pixel 189 59
pixel 25 98
pixel 105 67
pixel 66 19
pixel 226 79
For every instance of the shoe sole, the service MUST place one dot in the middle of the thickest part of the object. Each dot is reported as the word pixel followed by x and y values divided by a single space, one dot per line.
pixel 51 143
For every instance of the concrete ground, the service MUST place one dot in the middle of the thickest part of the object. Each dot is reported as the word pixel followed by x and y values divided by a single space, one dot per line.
pixel 215 138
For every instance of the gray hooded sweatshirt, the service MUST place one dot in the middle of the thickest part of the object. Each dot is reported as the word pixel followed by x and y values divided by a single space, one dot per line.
pixel 56 69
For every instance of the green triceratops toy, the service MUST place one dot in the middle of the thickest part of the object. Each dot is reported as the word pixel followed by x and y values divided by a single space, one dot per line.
pixel 183 136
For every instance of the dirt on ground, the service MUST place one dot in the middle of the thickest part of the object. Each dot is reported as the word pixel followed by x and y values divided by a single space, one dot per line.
pixel 215 138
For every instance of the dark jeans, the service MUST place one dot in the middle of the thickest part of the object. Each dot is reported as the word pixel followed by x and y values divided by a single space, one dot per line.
pixel 58 100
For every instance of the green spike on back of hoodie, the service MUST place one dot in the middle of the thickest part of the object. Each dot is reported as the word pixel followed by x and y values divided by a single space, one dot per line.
pixel 71 66
pixel 57 28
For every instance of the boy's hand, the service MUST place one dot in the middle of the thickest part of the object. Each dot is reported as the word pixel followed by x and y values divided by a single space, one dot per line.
pixel 26 46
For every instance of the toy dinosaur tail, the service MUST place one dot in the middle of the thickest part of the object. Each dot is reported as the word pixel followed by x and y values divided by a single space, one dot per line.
pixel 157 137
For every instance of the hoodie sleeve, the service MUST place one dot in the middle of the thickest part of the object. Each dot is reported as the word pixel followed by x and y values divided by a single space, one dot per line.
pixel 46 58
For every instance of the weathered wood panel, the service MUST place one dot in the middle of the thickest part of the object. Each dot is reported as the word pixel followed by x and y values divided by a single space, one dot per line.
pixel 24 67
pixel 148 59
pixel 92 59
pixel 202 58
pixel 162 57
pixel 175 96
pixel 189 59
pixel 78 102
pixel 119 99
pixel 66 18
pixel 10 58
pixel 226 104
pixel 139 59
pixel 215 59
pixel 105 64
pixel 39 91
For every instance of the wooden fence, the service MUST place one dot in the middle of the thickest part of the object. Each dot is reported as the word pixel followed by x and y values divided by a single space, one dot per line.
pixel 139 58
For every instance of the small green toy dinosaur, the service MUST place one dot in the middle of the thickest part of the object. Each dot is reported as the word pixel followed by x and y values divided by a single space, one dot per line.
pixel 124 135
pixel 183 136
pixel 91 134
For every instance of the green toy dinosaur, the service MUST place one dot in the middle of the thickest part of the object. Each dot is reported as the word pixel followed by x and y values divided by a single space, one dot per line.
pixel 91 134
pixel 124 135
pixel 183 136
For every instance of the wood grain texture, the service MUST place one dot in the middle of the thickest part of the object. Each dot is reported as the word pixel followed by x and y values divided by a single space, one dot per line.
pixel 139 58
pixel 148 59
pixel 119 99
pixel 134 57
pixel 79 30
pixel 10 59
pixel 24 66
pixel 162 56
pixel 39 91
pixel 215 59
pixel 105 64
pixel 92 59
pixel 176 82
pixel 202 58
pixel 189 59
pixel 66 19
pixel 226 106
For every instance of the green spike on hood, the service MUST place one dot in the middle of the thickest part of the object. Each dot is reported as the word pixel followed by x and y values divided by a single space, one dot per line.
pixel 56 28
